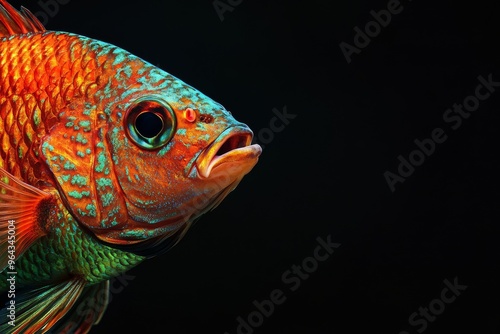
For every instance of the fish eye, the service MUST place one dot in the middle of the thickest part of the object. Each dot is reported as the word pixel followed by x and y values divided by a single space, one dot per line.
pixel 150 123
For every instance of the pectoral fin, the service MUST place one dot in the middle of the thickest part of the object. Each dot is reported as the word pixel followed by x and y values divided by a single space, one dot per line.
pixel 38 310
pixel 24 210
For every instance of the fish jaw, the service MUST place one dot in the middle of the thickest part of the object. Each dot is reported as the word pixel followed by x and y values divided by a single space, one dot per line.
pixel 230 154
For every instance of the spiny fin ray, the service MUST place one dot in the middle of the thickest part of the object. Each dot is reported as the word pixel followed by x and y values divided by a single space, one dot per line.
pixel 13 22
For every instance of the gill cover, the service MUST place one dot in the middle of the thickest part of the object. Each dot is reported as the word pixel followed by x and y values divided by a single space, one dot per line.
pixel 77 154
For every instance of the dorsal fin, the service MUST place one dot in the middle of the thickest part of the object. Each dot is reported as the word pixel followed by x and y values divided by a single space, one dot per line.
pixel 13 22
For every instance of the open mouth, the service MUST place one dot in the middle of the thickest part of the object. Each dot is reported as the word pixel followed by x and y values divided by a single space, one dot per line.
pixel 232 146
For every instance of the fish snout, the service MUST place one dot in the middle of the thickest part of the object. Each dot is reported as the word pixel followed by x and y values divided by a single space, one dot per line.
pixel 233 147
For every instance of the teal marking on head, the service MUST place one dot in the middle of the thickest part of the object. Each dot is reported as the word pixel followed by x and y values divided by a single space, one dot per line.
pixel 119 56
pixel 84 124
pixel 79 180
pixel 64 178
pixel 103 183
pixel 128 174
pixel 189 166
pixel 92 210
pixel 107 199
pixel 108 91
pixel 194 172
pixel 113 212
pixel 79 195
pixel 123 70
pixel 148 202
pixel 165 149
pixel 46 146
pixel 81 139
pixel 101 163
pixel 69 166
pixel 142 70
pixel 128 71
pixel 140 233
pixel 114 222
pixel 80 154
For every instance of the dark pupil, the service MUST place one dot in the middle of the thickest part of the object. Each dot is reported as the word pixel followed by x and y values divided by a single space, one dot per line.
pixel 148 124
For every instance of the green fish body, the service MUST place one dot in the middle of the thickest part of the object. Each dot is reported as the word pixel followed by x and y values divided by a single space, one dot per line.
pixel 105 161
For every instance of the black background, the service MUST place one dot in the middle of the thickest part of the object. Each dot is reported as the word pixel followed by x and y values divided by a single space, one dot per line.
pixel 324 173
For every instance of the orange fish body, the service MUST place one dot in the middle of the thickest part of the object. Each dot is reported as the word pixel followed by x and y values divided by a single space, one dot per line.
pixel 105 160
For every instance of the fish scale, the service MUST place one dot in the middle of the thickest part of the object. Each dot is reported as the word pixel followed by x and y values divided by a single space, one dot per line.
pixel 32 90
pixel 105 160
pixel 55 81
pixel 70 251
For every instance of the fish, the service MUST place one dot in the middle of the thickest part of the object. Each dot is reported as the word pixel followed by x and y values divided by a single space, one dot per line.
pixel 105 161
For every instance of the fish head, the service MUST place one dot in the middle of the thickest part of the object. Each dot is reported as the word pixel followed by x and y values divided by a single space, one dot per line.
pixel 144 154
pixel 177 154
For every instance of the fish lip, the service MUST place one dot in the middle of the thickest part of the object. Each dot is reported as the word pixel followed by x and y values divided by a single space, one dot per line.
pixel 238 140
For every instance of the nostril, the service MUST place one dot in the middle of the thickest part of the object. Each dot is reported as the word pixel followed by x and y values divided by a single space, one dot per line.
pixel 205 118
